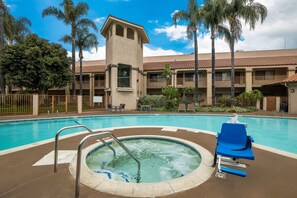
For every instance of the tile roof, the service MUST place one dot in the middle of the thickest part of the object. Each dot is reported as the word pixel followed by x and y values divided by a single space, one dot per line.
pixel 292 79
pixel 221 63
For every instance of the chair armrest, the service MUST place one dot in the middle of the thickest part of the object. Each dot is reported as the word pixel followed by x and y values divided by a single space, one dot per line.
pixel 218 134
pixel 250 138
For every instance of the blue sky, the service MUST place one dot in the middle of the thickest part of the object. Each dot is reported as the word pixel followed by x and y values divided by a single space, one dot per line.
pixel 156 17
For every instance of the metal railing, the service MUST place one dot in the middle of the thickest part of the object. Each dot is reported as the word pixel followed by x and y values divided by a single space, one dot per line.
pixel 78 163
pixel 14 104
pixel 72 127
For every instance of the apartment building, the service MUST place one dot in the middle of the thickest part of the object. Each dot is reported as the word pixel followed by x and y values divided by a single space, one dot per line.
pixel 125 75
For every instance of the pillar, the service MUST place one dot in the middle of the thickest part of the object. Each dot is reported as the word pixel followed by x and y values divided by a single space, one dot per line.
pixel 248 80
pixel 145 84
pixel 79 104
pixel 35 104
pixel 208 87
pixel 265 104
pixel 291 71
pixel 92 89
pixel 277 105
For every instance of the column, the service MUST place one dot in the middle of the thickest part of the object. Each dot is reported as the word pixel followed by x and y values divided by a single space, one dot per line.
pixel 35 104
pixel 265 104
pixel 208 87
pixel 248 80
pixel 92 89
pixel 291 71
pixel 79 104
pixel 173 79
pixel 144 83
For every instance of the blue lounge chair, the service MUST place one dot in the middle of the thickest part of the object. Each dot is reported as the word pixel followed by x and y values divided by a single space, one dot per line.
pixel 233 143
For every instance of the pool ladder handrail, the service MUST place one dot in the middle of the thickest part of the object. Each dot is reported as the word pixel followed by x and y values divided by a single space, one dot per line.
pixel 78 163
pixel 72 127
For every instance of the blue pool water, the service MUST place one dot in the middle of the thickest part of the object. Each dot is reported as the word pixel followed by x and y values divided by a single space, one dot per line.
pixel 279 133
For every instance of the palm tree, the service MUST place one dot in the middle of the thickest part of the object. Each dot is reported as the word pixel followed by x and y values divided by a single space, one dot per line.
pixel 167 73
pixel 15 29
pixel 84 41
pixel 213 16
pixel 250 12
pixel 71 15
pixel 3 10
pixel 194 17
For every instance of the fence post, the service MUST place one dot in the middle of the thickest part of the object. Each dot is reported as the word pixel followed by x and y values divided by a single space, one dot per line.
pixel 265 103
pixel 79 104
pixel 35 104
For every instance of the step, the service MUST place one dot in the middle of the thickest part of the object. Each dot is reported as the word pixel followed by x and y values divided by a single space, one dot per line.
pixel 233 171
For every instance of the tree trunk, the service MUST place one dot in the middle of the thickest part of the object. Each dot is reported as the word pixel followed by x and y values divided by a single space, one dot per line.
pixel 2 81
pixel 213 66
pixel 73 35
pixel 196 99
pixel 232 69
pixel 80 72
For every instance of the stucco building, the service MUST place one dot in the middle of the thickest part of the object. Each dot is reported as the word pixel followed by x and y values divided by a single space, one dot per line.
pixel 126 75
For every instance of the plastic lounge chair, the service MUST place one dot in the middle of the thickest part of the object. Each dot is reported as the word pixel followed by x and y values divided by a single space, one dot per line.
pixel 232 144
pixel 182 107
pixel 191 107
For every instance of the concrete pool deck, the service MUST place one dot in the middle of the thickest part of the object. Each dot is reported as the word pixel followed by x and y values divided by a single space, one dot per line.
pixel 270 175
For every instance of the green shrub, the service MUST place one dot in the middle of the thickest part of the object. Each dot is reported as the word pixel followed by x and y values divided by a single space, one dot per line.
pixel 157 101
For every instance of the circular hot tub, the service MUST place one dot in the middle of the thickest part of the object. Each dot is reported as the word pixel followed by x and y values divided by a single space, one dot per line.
pixel 167 165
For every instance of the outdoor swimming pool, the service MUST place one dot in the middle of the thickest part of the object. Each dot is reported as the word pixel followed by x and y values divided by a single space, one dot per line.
pixel 279 133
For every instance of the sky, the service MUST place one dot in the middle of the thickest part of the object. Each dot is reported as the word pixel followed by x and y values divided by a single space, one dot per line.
pixel 279 31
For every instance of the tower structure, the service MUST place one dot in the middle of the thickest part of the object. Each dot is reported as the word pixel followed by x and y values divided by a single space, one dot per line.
pixel 124 82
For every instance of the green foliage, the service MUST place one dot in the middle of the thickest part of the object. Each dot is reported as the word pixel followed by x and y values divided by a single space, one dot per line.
pixel 35 64
pixel 226 109
pixel 245 99
pixel 157 101
pixel 167 73
pixel 172 97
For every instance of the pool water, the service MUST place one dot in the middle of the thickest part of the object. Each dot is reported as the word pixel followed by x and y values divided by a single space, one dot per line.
pixel 279 133
pixel 160 160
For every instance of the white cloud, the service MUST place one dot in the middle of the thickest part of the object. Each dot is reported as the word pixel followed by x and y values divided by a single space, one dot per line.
pixel 147 51
pixel 277 32
pixel 153 21
pixel 100 19
pixel 157 51
pixel 174 33
pixel 92 54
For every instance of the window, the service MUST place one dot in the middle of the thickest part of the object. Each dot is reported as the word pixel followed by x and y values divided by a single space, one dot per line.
pixel 130 33
pixel 265 75
pixel 190 77
pixel 157 77
pixel 124 72
pixel 223 76
pixel 119 30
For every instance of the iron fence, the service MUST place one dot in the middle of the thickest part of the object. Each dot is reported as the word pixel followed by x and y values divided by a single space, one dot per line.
pixel 16 104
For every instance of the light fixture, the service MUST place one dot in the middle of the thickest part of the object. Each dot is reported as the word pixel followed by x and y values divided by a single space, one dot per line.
pixel 292 90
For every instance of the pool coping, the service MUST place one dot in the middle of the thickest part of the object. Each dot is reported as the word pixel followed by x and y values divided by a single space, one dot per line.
pixel 262 147
pixel 101 183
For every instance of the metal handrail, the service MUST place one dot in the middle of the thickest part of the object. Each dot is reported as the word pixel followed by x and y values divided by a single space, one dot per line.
pixel 71 127
pixel 78 163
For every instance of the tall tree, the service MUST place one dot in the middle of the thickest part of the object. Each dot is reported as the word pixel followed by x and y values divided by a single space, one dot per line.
pixel 36 64
pixel 213 16
pixel 3 10
pixel 194 17
pixel 72 14
pixel 251 12
pixel 15 29
pixel 84 41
